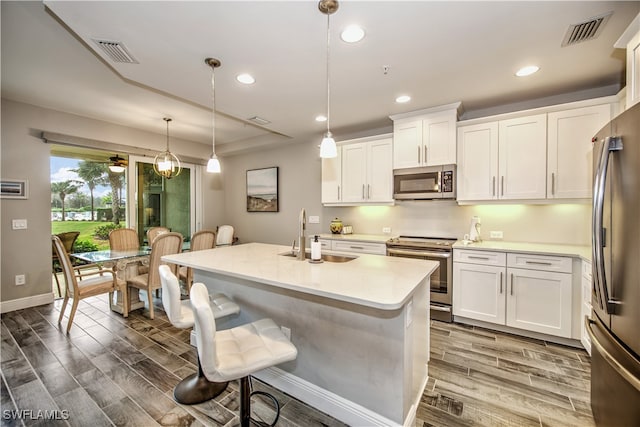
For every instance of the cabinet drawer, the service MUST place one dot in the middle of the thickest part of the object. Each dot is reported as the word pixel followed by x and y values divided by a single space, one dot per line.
pixel 479 257
pixel 539 262
pixel 360 247
pixel 324 244
pixel 586 270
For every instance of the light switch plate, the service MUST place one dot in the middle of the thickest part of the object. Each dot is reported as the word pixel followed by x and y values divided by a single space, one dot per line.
pixel 314 219
pixel 495 234
pixel 386 230
pixel 19 224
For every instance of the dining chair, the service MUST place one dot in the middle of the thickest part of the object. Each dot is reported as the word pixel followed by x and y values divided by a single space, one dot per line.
pixel 203 239
pixel 236 353
pixel 68 239
pixel 154 232
pixel 225 235
pixel 195 388
pixel 124 239
pixel 165 244
pixel 85 281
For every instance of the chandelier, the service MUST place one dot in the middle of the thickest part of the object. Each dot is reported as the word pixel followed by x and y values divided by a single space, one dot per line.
pixel 167 164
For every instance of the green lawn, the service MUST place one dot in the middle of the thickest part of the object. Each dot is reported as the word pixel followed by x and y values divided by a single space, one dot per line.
pixel 84 227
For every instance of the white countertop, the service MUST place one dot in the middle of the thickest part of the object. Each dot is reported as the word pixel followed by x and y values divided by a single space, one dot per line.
pixel 371 238
pixel 576 251
pixel 370 280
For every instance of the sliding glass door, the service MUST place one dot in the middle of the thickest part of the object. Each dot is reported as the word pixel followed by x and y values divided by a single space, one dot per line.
pixel 156 201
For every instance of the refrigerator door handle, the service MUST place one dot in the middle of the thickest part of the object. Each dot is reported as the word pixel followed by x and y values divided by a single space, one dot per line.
pixel 600 282
pixel 609 358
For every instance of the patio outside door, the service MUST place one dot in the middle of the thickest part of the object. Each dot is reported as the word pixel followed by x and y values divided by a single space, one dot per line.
pixel 160 201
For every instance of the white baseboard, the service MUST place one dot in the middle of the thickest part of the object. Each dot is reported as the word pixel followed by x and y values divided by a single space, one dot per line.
pixel 26 302
pixel 330 403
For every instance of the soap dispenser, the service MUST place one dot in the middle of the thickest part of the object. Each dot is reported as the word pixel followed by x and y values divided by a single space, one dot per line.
pixel 316 247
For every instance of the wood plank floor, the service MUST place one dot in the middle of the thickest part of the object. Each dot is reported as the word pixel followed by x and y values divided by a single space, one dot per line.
pixel 115 371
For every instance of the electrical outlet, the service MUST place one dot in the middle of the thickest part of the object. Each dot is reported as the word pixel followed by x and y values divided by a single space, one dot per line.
pixel 495 234
pixel 314 219
pixel 19 224
pixel 20 279
pixel 386 230
pixel 286 331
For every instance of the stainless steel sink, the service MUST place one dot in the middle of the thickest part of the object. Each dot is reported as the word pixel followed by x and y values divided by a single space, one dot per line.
pixel 325 257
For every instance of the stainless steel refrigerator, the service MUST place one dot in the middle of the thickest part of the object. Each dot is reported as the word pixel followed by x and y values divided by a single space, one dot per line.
pixel 615 328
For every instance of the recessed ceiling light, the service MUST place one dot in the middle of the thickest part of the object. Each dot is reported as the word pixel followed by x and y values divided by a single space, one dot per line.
pixel 245 78
pixel 321 118
pixel 527 71
pixel 403 98
pixel 352 34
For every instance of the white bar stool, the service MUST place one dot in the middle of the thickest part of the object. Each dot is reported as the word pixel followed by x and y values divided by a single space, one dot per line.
pixel 238 352
pixel 195 388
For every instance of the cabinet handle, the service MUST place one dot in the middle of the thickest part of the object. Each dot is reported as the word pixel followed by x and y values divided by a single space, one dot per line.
pixel 478 257
pixel 501 282
pixel 538 263
pixel 553 183
pixel 368 191
pixel 357 247
pixel 511 283
pixel 362 191
pixel 425 154
pixel 418 154
pixel 338 192
pixel 502 185
pixel 493 186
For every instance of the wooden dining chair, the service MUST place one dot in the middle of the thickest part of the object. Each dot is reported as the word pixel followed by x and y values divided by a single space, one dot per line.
pixel 85 281
pixel 68 239
pixel 154 232
pixel 204 239
pixel 165 244
pixel 124 239
pixel 226 235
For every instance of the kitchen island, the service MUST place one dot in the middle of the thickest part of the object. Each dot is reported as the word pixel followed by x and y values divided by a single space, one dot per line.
pixel 361 327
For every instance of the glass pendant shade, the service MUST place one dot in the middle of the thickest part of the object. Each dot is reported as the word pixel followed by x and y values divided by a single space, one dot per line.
pixel 328 147
pixel 118 164
pixel 116 169
pixel 213 165
pixel 167 164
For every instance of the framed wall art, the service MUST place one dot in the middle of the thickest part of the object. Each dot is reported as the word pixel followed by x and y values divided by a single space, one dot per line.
pixel 14 189
pixel 262 190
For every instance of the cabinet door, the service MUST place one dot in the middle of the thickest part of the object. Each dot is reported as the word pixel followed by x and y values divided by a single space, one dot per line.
pixel 539 301
pixel 585 307
pixel 569 157
pixel 479 292
pixel 523 157
pixel 354 172
pixel 407 141
pixel 379 171
pixel 439 139
pixel 478 161
pixel 332 178
pixel 633 70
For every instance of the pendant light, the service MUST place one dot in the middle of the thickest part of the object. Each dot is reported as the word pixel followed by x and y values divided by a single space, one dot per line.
pixel 167 164
pixel 213 165
pixel 117 164
pixel 328 147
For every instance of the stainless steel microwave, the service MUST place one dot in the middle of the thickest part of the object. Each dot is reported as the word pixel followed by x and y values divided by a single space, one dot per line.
pixel 425 183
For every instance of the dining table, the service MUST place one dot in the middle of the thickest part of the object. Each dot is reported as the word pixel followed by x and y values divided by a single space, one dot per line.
pixel 126 265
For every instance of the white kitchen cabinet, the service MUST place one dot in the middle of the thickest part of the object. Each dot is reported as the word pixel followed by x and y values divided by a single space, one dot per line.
pixel 585 308
pixel 425 137
pixel 332 178
pixel 569 159
pixel 503 160
pixel 361 175
pixel 630 40
pixel 354 246
pixel 524 291
pixel 522 157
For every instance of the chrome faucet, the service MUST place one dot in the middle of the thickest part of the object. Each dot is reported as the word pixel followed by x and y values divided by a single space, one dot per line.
pixel 301 238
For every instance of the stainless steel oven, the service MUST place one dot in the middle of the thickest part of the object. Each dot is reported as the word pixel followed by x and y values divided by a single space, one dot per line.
pixel 431 249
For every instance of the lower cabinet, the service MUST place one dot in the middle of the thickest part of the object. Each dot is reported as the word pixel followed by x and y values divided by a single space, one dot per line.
pixel 355 246
pixel 531 292
pixel 585 307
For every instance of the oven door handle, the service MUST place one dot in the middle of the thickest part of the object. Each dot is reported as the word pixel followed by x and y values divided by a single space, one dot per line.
pixel 413 253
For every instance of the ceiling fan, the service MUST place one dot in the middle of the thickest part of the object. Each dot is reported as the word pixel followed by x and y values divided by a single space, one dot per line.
pixel 118 164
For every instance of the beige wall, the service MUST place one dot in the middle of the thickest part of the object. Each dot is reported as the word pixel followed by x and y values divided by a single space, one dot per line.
pixel 24 156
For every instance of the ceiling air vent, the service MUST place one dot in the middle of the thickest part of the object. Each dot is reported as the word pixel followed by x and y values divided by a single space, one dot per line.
pixel 585 31
pixel 259 120
pixel 116 51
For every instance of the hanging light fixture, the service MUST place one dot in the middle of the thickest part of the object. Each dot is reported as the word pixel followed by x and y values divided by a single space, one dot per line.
pixel 328 147
pixel 213 165
pixel 167 164
pixel 117 164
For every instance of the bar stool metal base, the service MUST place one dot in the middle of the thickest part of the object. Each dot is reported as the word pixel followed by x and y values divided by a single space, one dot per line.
pixel 196 388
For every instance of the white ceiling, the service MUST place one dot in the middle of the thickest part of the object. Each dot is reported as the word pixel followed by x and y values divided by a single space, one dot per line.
pixel 437 52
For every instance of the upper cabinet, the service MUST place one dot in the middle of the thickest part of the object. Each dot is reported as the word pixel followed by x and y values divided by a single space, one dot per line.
pixel 569 160
pixel 362 173
pixel 543 156
pixel 630 40
pixel 426 137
